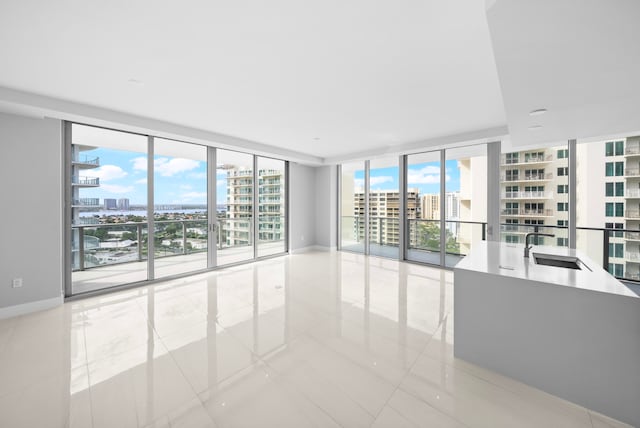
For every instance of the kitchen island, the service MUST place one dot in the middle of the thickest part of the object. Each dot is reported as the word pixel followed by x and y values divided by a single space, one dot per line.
pixel 574 333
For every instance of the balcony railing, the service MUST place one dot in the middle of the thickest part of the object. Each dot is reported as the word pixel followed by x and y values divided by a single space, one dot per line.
pixel 632 172
pixel 632 149
pixel 527 195
pixel 526 159
pixel 87 160
pixel 632 236
pixel 528 213
pixel 529 177
pixel 632 193
pixel 86 202
pixel 632 214
pixel 97 245
pixel 633 256
pixel 85 181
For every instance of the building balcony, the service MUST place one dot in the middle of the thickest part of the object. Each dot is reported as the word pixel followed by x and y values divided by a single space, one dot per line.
pixel 632 256
pixel 86 162
pixel 632 214
pixel 632 150
pixel 632 236
pixel 632 193
pixel 527 178
pixel 527 195
pixel 510 212
pixel 85 181
pixel 526 160
pixel 86 203
pixel 632 172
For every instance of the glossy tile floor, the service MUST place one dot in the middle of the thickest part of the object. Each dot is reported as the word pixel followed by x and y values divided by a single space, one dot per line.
pixel 309 340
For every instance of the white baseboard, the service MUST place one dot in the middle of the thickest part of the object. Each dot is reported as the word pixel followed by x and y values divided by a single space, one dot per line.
pixel 312 248
pixel 27 308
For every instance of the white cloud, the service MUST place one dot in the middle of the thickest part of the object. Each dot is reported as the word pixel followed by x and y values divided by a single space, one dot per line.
pixel 373 181
pixel 170 167
pixel 109 172
pixel 426 175
pixel 115 188
pixel 139 164
pixel 167 167
pixel 358 183
pixel 186 187
pixel 141 181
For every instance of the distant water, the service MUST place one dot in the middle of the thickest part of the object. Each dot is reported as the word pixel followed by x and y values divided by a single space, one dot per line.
pixel 139 212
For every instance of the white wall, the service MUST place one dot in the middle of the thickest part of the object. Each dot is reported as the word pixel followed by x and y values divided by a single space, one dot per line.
pixel 326 186
pixel 302 214
pixel 30 209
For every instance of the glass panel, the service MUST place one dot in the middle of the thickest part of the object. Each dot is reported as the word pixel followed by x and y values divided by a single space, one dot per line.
pixel 108 208
pixel 234 187
pixel 423 207
pixel 352 207
pixel 271 206
pixel 542 206
pixel 384 207
pixel 180 211
pixel 617 207
pixel 466 199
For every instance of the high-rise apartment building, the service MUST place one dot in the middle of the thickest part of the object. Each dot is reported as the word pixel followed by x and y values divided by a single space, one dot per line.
pixel 123 204
pixel 430 206
pixel 534 187
pixel 237 230
pixel 534 192
pixel 384 210
pixel 110 204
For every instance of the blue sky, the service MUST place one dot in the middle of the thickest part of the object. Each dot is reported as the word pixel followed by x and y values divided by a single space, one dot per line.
pixel 424 176
pixel 124 175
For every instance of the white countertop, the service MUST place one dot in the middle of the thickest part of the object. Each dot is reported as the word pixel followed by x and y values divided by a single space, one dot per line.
pixel 499 258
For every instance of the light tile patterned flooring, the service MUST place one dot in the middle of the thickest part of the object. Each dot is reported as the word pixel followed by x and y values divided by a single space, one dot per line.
pixel 310 340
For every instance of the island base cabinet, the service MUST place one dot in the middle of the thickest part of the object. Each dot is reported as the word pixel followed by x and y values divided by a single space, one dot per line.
pixel 580 345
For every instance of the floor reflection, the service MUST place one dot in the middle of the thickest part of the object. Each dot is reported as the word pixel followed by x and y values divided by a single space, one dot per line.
pixel 315 339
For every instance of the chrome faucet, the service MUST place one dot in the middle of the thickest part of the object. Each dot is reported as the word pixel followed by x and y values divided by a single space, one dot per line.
pixel 527 247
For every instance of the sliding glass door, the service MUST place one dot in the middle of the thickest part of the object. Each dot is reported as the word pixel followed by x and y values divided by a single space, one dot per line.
pixel 271 206
pixel 235 190
pixel 179 207
pixel 352 207
pixel 384 207
pixel 143 208
pixel 423 207
pixel 108 208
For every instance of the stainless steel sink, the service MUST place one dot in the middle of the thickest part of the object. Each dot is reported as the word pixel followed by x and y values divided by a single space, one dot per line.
pixel 566 262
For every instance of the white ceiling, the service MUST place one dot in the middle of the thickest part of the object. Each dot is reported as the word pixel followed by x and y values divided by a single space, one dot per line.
pixel 578 59
pixel 360 75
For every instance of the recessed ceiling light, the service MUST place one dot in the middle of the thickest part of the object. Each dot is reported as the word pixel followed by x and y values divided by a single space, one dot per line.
pixel 135 81
pixel 316 138
pixel 535 127
pixel 537 112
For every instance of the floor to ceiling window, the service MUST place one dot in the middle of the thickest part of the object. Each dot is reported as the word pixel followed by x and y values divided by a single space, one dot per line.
pixel 352 207
pixel 108 201
pixel 465 200
pixel 422 213
pixel 122 185
pixel 179 207
pixel 271 206
pixel 384 207
pixel 235 190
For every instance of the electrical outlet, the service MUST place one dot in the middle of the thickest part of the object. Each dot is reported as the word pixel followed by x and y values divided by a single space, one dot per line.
pixel 16 283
